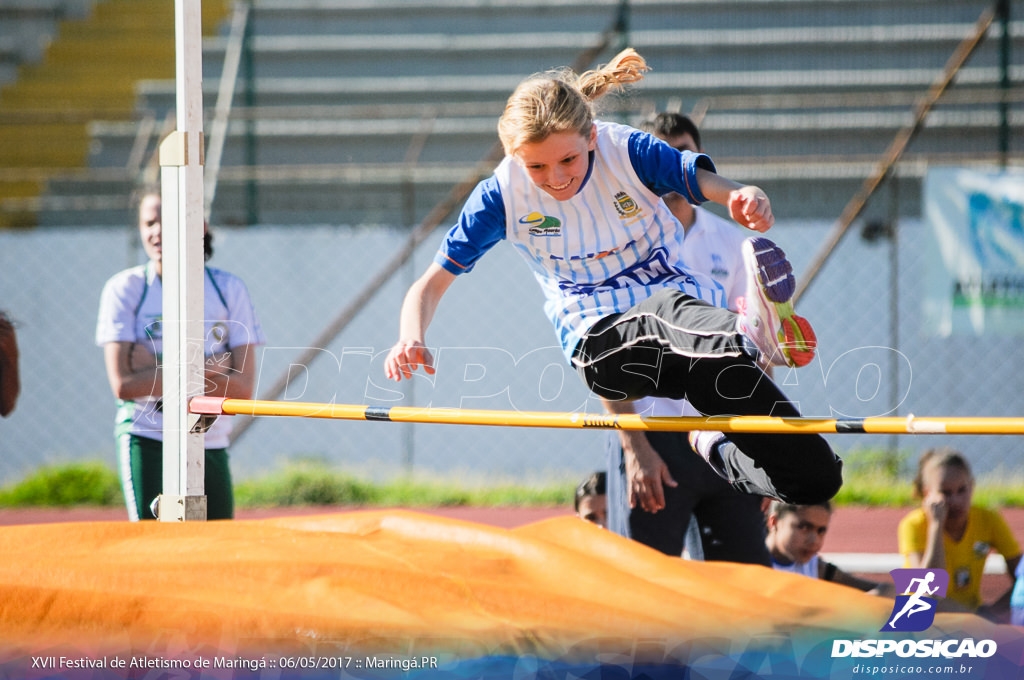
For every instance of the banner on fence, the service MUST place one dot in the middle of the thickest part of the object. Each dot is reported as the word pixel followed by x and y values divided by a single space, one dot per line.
pixel 976 277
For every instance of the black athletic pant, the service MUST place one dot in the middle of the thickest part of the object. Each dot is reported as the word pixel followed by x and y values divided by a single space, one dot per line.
pixel 731 523
pixel 676 346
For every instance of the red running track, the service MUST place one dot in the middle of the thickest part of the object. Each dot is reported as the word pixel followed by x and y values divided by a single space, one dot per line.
pixel 854 529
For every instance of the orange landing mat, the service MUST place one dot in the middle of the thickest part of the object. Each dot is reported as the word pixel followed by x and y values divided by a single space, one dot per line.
pixel 402 583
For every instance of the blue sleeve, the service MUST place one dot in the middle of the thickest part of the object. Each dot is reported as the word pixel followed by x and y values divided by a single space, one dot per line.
pixel 663 170
pixel 481 224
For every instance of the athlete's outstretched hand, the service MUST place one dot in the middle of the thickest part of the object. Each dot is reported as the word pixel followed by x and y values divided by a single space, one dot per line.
pixel 418 307
pixel 405 357
pixel 750 207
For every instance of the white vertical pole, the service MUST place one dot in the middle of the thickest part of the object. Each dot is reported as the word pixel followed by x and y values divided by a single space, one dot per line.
pixel 181 180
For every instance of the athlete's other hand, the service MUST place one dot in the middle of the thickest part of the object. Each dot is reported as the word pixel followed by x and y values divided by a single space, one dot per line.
pixel 750 207
pixel 405 357
pixel 646 474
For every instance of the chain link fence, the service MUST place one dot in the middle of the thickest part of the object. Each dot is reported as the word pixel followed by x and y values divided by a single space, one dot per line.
pixel 494 348
pixel 809 138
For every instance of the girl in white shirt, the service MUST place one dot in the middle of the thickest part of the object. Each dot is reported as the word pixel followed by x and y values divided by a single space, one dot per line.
pixel 796 534
pixel 129 328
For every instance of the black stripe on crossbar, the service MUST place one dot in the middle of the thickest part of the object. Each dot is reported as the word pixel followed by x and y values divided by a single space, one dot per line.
pixel 377 413
pixel 850 425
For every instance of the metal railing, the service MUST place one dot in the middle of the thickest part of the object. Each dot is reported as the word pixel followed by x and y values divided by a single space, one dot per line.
pixel 225 98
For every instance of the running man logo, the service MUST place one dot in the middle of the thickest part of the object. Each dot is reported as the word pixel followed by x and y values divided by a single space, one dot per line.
pixel 914 609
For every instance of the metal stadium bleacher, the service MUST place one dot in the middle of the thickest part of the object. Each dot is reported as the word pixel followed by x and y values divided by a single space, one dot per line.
pixel 368 112
pixel 91 54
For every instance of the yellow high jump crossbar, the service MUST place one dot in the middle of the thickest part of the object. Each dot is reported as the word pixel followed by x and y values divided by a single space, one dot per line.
pixel 215 406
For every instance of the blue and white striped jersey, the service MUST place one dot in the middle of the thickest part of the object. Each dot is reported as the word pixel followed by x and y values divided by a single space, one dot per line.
pixel 610 246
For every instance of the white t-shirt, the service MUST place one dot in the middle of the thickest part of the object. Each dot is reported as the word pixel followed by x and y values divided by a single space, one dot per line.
pixel 712 247
pixel 808 568
pixel 131 310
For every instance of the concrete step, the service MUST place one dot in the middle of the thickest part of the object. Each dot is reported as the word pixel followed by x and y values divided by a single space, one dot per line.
pixel 399 194
pixel 404 55
pixel 92 65
pixel 306 202
pixel 840 133
pixel 453 140
pixel 338 194
pixel 11 56
pixel 660 86
pixel 42 144
pixel 390 64
pixel 28 26
pixel 367 17
pixel 310 142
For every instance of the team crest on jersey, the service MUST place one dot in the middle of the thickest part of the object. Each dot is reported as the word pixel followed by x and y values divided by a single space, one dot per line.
pixel 218 333
pixel 155 328
pixel 626 206
pixel 542 225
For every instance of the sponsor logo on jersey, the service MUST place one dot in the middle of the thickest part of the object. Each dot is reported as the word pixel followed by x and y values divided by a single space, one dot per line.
pixel 654 271
pixel 585 256
pixel 542 225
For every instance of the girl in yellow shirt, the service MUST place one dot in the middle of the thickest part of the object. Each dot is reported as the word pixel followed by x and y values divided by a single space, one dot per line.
pixel 947 532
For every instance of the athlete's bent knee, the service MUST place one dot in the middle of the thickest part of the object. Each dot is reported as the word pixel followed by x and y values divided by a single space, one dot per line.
pixel 818 474
pixel 821 483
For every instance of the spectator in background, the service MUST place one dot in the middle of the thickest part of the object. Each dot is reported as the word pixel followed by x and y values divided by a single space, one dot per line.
pixel 1017 597
pixel 729 524
pixel 948 532
pixel 10 381
pixel 796 534
pixel 130 331
pixel 590 499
